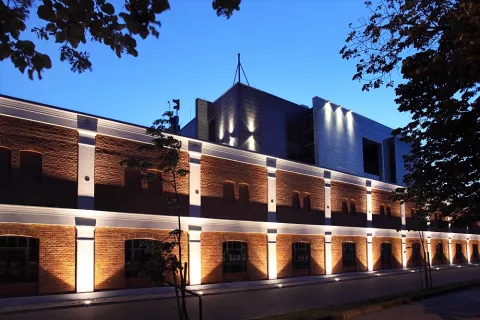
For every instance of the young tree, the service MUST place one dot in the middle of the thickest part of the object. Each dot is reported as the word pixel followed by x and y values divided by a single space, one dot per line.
pixel 167 162
pixel 73 22
pixel 435 45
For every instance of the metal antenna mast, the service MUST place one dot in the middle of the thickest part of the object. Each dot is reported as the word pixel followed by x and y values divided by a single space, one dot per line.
pixel 238 71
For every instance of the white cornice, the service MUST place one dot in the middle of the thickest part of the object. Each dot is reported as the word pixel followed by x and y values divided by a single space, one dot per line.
pixel 69 119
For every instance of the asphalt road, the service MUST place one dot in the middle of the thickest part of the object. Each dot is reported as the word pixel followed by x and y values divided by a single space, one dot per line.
pixel 252 304
pixel 461 305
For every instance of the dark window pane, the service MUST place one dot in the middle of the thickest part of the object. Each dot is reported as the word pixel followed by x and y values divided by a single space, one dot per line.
pixel 353 209
pixel 382 210
pixel 5 163
pixel 349 252
pixel 31 165
pixel 234 257
pixel 155 182
pixel 386 255
pixel 306 202
pixel 133 179
pixel 371 157
pixel 301 255
pixel 228 191
pixel 416 252
pixel 296 200
pixel 389 211
pixel 344 206
pixel 243 193
pixel 18 259
pixel 138 254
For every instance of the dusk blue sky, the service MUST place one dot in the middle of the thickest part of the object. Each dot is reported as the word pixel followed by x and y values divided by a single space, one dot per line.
pixel 289 48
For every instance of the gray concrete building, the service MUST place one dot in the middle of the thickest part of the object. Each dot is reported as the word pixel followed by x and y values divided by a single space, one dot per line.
pixel 324 134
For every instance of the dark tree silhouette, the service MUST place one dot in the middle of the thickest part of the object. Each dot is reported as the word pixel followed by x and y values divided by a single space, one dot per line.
pixel 72 22
pixel 435 45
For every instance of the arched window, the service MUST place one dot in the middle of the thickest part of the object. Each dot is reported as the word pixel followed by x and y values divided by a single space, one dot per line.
pixel 301 255
pixel 5 163
pixel 243 194
pixel 344 206
pixel 353 208
pixel 235 257
pixel 31 165
pixel 154 183
pixel 138 254
pixel 229 191
pixel 18 259
pixel 382 209
pixel 307 205
pixel 389 211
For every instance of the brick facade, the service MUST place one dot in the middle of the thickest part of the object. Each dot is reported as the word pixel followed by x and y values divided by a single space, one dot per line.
pixel 474 258
pixel 410 261
pixel 337 253
pixel 461 256
pixel 287 184
pixel 396 253
pixel 284 255
pixel 56 272
pixel 111 194
pixel 340 191
pixel 212 256
pixel 58 147
pixel 110 253
pixel 216 171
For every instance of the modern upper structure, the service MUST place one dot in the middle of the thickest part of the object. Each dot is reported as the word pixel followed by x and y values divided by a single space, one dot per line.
pixel 326 134
pixel 311 198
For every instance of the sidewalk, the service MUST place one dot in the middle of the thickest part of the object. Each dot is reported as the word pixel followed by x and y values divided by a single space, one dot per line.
pixel 9 305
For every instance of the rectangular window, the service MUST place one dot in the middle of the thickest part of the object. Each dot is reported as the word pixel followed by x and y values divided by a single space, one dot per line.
pixel 475 253
pixel 301 255
pixel 212 136
pixel 229 191
pixel 458 253
pixel 386 255
pixel 5 163
pixel 306 202
pixel 353 209
pixel 31 165
pixel 349 252
pixel 234 257
pixel 389 211
pixel 154 182
pixel 382 210
pixel 416 252
pixel 243 193
pixel 371 157
pixel 344 206
pixel 439 252
pixel 138 254
pixel 18 259
pixel 133 179
pixel 296 200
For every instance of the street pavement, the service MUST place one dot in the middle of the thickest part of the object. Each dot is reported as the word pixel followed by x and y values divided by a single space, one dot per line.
pixel 461 305
pixel 252 304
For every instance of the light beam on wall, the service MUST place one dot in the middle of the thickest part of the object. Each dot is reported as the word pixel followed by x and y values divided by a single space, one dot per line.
pixel 339 119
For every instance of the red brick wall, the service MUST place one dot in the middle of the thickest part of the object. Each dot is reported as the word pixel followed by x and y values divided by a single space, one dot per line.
pixel 434 250
pixel 214 171
pixel 110 193
pixel 110 253
pixel 337 253
pixel 287 183
pixel 212 256
pixel 410 242
pixel 284 254
pixel 59 148
pixel 471 243
pixel 380 197
pixel 396 244
pixel 350 192
pixel 56 256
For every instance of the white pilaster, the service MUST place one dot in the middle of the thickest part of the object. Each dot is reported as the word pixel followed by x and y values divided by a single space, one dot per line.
pixel 404 251
pixel 195 254
pixel 369 203
pixel 195 195
pixel 328 252
pixel 87 128
pixel 429 249
pixel 402 215
pixel 450 252
pixel 272 253
pixel 272 190
pixel 369 251
pixel 468 250
pixel 85 254
pixel 328 198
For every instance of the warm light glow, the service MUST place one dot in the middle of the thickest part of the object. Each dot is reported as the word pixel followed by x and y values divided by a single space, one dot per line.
pixel 337 279
pixel 200 292
pixel 87 302
pixel 369 255
pixel 438 268
pixel 85 258
pixel 413 271
pixel 195 266
pixel 280 285
pixel 251 143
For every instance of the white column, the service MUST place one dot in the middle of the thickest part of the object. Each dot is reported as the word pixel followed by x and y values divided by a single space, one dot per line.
pixel 85 254
pixel 86 169
pixel 195 195
pixel 369 203
pixel 450 253
pixel 404 251
pixel 272 253
pixel 272 190
pixel 429 248
pixel 328 252
pixel 468 250
pixel 369 251
pixel 402 215
pixel 328 197
pixel 195 254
